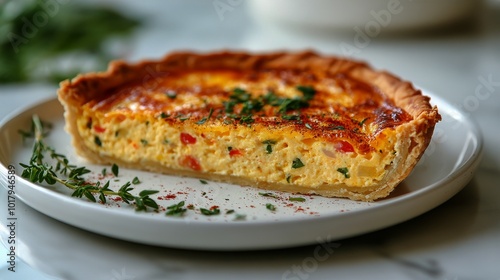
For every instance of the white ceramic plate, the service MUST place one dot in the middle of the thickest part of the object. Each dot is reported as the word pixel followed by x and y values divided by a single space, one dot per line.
pixel 446 167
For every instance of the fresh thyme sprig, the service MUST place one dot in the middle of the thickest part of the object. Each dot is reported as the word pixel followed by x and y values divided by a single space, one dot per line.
pixel 38 171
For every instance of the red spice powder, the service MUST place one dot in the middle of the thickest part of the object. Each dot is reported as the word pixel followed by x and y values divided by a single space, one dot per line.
pixel 167 197
pixel 299 209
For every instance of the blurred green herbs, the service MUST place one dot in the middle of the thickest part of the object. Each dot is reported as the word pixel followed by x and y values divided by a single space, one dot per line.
pixel 51 40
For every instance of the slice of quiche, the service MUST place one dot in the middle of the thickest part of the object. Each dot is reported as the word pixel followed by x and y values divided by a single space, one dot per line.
pixel 294 122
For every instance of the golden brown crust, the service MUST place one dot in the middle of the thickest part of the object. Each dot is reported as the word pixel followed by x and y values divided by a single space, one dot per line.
pixel 85 87
pixel 413 137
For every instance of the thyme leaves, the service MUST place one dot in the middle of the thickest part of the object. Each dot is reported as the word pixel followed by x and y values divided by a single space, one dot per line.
pixel 60 170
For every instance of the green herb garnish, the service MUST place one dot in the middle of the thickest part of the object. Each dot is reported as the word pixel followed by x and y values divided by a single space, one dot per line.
pixel 240 217
pixel 345 171
pixel 307 91
pixel 182 117
pixel 136 181
pixel 299 199
pixel 248 119
pixel 203 182
pixel 363 121
pixel 269 149
pixel 97 141
pixel 176 210
pixel 271 207
pixel 269 143
pixel 115 169
pixel 289 104
pixel 252 105
pixel 290 117
pixel 204 120
pixel 268 194
pixel 338 127
pixel 208 212
pixel 297 163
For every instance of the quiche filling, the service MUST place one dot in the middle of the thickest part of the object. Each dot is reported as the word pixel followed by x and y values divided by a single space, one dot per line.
pixel 284 129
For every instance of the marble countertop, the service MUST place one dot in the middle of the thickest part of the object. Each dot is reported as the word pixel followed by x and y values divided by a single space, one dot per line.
pixel 460 239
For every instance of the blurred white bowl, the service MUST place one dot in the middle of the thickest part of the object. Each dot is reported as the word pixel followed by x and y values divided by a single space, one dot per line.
pixel 392 15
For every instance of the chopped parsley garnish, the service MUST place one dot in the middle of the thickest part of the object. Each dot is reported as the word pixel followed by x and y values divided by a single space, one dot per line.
pixel 290 117
pixel 240 95
pixel 97 141
pixel 144 142
pixel 338 127
pixel 208 212
pixel 307 91
pixel 136 181
pixel 289 104
pixel 89 126
pixel 229 106
pixel 176 210
pixel 204 120
pixel 163 115
pixel 115 169
pixel 271 207
pixel 299 199
pixel 240 217
pixel 268 194
pixel 344 171
pixel 297 163
pixel 252 105
pixel 246 119
pixel 182 117
pixel 288 178
pixel 363 121
pixel 269 147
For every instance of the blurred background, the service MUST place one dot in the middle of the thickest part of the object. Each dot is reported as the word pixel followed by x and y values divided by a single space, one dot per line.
pixel 449 47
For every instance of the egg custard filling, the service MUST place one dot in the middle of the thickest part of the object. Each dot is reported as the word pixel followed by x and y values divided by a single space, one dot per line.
pixel 293 122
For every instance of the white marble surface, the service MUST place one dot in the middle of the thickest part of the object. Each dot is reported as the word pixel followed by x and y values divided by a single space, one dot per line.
pixel 458 240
